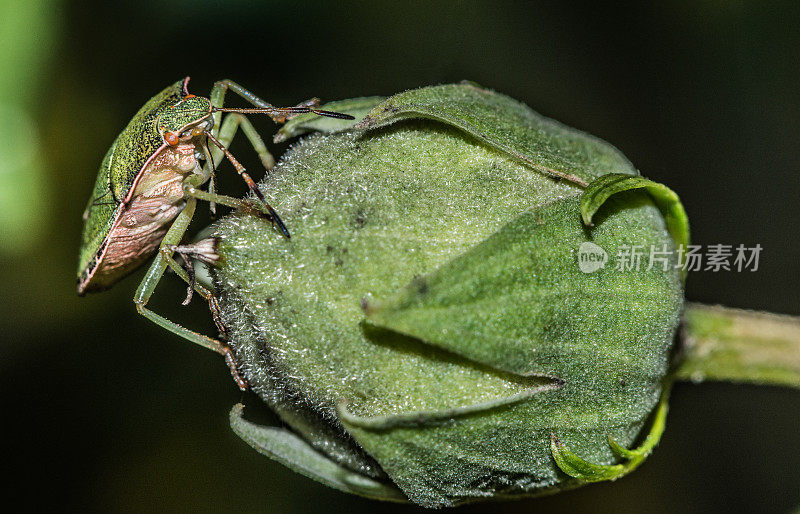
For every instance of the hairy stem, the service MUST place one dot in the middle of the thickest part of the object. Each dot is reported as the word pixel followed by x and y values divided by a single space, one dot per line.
pixel 736 345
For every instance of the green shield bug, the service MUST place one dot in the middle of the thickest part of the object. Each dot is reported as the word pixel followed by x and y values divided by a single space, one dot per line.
pixel 148 186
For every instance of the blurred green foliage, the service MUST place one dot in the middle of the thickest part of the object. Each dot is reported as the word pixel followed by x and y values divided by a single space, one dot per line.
pixel 27 30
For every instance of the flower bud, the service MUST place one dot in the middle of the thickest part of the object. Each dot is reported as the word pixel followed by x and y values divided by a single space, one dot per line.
pixel 450 320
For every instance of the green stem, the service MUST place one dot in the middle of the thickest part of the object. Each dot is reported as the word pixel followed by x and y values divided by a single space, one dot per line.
pixel 740 346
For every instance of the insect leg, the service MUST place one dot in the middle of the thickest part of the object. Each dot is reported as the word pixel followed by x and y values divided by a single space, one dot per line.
pixel 185 273
pixel 156 271
pixel 151 280
pixel 230 124
pixel 228 201
pixel 250 183
pixel 255 208
pixel 217 98
pixel 227 129
pixel 204 251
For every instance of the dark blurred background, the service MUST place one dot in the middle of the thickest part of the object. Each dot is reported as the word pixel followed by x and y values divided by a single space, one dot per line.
pixel 106 411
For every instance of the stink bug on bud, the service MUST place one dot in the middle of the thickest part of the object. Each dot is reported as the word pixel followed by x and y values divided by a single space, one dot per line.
pixel 148 185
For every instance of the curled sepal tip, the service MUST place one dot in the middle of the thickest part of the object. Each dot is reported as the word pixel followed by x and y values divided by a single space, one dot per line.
pixel 603 187
pixel 574 466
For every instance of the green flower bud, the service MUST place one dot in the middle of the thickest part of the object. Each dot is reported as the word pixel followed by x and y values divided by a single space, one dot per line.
pixel 430 332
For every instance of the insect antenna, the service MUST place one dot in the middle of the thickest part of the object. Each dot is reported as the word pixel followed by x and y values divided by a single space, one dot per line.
pixel 281 114
pixel 250 183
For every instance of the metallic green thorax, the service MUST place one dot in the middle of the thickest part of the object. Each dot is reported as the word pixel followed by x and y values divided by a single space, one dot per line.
pixel 171 110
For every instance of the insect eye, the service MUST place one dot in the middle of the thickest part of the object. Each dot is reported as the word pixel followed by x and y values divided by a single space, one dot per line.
pixel 171 138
